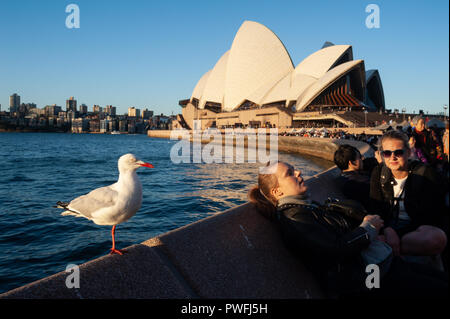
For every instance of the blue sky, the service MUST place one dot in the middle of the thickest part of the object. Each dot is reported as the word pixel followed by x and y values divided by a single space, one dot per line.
pixel 150 54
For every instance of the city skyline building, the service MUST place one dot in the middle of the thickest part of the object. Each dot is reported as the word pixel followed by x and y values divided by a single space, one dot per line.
pixel 14 102
pixel 133 112
pixel 146 114
pixel 71 104
pixel 52 118
pixel 110 110
pixel 52 110
pixel 97 109
pixel 83 109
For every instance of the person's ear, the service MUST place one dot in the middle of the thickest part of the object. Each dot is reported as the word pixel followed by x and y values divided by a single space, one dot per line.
pixel 276 192
pixel 378 156
pixel 351 164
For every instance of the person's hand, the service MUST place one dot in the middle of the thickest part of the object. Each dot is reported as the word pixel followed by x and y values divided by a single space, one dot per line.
pixel 375 221
pixel 392 240
pixel 378 157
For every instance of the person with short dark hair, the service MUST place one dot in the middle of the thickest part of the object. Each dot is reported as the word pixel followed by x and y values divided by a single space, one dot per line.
pixel 355 173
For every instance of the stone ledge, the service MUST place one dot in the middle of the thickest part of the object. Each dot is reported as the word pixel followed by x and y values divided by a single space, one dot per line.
pixel 139 273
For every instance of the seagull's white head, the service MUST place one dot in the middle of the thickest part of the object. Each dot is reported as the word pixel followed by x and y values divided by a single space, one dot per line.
pixel 129 162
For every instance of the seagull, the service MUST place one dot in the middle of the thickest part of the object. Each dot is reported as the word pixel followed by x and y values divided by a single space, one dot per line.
pixel 113 204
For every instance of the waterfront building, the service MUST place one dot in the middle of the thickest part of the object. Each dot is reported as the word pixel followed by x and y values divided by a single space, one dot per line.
pixel 97 109
pixel 71 104
pixel 110 110
pixel 62 114
pixel 60 122
pixel 160 122
pixel 43 121
pixel 51 110
pixel 14 103
pixel 131 126
pixel 83 109
pixel 37 111
pixel 32 122
pixel 51 121
pixel 23 109
pixel 80 125
pixel 113 125
pixel 255 84
pixel 71 115
pixel 94 126
pixel 146 114
pixel 104 126
pixel 133 112
pixel 141 127
pixel 123 125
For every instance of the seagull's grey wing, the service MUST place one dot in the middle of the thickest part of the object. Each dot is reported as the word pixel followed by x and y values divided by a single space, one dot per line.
pixel 99 198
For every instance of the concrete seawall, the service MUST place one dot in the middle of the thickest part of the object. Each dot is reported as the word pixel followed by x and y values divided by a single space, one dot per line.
pixel 233 254
pixel 319 147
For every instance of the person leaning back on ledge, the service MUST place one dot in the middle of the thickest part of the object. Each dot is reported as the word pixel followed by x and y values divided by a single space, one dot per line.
pixel 334 248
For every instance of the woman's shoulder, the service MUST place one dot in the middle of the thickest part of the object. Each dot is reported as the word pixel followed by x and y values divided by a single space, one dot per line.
pixel 292 206
pixel 298 212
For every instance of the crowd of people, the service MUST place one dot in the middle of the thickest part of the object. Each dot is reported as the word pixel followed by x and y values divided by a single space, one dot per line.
pixel 322 133
pixel 401 222
pixel 430 145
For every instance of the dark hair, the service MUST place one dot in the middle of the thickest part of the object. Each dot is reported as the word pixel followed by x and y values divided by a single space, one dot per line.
pixel 344 154
pixel 261 195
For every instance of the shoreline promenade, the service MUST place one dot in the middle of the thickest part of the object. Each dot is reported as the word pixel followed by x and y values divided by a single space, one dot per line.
pixel 323 148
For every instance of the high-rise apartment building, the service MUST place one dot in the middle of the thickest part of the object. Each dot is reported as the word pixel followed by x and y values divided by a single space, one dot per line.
pixel 14 102
pixel 110 110
pixel 71 104
pixel 51 110
pixel 83 109
pixel 97 109
pixel 133 112
pixel 146 114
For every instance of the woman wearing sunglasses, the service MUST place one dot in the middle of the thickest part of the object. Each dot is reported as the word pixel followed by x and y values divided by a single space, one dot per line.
pixel 410 198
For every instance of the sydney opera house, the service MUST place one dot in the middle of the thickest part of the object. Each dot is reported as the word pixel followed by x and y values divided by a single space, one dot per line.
pixel 255 84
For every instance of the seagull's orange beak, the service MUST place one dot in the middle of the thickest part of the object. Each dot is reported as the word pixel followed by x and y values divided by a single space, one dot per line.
pixel 146 165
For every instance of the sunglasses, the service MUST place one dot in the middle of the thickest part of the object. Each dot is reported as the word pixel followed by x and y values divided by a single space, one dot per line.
pixel 397 153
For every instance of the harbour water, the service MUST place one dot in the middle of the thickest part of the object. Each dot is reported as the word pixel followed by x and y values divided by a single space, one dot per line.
pixel 39 169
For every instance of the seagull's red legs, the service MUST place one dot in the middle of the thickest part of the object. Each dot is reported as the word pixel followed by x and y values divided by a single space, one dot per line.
pixel 113 249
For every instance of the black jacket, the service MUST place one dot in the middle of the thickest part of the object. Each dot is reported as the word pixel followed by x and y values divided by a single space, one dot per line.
pixel 424 195
pixel 327 244
pixel 356 184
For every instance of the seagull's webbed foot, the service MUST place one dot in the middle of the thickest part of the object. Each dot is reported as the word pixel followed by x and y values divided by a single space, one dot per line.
pixel 117 251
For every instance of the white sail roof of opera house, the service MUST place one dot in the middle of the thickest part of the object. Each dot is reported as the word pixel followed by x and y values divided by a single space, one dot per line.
pixel 258 68
pixel 198 90
pixel 320 62
pixel 317 87
pixel 215 84
pixel 257 59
